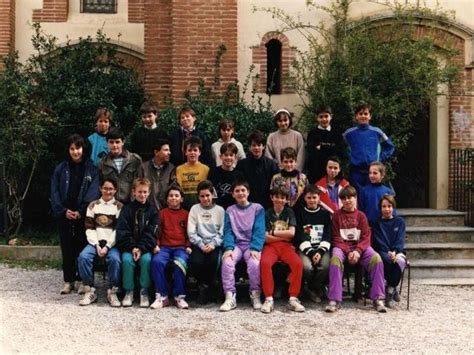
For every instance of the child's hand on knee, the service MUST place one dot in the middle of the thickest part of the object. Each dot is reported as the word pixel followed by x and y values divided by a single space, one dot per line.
pixel 227 253
pixel 316 259
pixel 156 250
pixel 354 257
pixel 255 254
pixel 189 250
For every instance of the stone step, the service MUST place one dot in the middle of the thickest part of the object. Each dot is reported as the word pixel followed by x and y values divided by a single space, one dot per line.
pixel 430 217
pixel 439 269
pixel 435 234
pixel 420 251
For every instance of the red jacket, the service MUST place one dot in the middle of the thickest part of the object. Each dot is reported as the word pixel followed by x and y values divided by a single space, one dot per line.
pixel 350 231
pixel 325 200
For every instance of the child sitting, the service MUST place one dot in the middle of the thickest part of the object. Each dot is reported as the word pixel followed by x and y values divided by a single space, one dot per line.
pixel 136 228
pixel 244 235
pixel 313 239
pixel 290 177
pixel 187 128
pixel 351 240
pixel 97 140
pixel 331 185
pixel 101 217
pixel 225 175
pixel 285 137
pixel 366 144
pixel 172 245
pixel 389 241
pixel 144 137
pixel 371 194
pixel 191 173
pixel 226 133
pixel 205 231
pixel 280 230
pixel 323 141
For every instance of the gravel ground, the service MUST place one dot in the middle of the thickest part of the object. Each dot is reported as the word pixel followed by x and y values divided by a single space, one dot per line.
pixel 35 318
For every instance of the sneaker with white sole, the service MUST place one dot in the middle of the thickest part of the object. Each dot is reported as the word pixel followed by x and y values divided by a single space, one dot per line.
pixel 128 299
pixel 181 303
pixel 332 307
pixel 160 302
pixel 379 306
pixel 144 300
pixel 89 296
pixel 396 295
pixel 267 306
pixel 80 287
pixel 229 303
pixel 255 300
pixel 112 297
pixel 295 305
pixel 67 288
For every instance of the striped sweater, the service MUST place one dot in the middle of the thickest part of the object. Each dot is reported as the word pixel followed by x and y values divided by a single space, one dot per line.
pixel 101 219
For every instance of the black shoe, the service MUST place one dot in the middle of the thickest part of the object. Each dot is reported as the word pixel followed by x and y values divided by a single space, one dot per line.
pixel 203 296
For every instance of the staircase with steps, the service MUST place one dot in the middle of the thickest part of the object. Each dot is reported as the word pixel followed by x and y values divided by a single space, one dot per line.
pixel 438 244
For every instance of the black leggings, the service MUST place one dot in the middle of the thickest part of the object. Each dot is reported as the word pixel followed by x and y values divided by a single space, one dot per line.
pixel 72 238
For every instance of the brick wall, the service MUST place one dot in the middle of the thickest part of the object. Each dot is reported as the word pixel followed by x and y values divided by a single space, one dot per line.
pixel 259 57
pixel 7 28
pixel 181 41
pixel 52 11
pixel 135 11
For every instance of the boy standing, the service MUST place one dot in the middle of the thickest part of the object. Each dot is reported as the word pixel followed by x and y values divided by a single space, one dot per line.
pixel 323 141
pixel 313 239
pixel 97 140
pixel 136 230
pixel 244 235
pixel 144 138
pixel 223 176
pixel 187 128
pixel 289 177
pixel 160 172
pixel 280 225
pixel 258 169
pixel 191 173
pixel 351 240
pixel 366 144
pixel 100 221
pixel 119 165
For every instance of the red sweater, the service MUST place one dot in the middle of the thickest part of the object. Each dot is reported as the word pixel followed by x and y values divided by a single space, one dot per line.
pixel 350 231
pixel 173 227
pixel 325 200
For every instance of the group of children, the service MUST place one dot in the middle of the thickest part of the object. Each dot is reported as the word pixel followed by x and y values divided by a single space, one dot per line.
pixel 192 208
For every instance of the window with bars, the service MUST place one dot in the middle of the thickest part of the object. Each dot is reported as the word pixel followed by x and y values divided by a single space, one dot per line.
pixel 99 6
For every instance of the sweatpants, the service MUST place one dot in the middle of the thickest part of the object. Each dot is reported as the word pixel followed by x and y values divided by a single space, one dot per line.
pixel 72 238
pixel 86 265
pixel 204 265
pixel 359 177
pixel 128 271
pixel 285 252
pixel 179 257
pixel 317 276
pixel 370 261
pixel 228 269
pixel 393 270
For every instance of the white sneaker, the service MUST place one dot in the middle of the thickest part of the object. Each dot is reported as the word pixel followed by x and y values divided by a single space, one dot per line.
pixel 89 296
pixel 80 287
pixel 267 306
pixel 181 302
pixel 160 302
pixel 379 306
pixel 255 300
pixel 144 300
pixel 332 307
pixel 295 305
pixel 229 303
pixel 67 288
pixel 112 297
pixel 128 299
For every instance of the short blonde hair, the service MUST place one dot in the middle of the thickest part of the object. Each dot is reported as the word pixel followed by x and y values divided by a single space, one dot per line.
pixel 141 181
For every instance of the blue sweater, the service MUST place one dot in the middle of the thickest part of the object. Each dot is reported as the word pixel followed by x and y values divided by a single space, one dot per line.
pixel 245 227
pixel 367 144
pixel 369 200
pixel 389 235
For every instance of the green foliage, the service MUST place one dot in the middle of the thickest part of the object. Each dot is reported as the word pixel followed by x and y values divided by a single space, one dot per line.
pixel 382 63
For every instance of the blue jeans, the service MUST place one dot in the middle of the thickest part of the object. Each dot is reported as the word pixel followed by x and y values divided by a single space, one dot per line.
pixel 158 269
pixel 86 265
